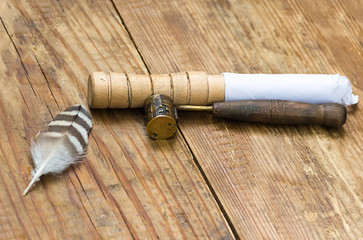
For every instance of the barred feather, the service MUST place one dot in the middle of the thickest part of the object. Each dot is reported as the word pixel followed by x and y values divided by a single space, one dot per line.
pixel 62 144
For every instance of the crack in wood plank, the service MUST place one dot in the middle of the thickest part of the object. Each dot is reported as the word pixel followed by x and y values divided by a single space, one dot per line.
pixel 130 36
pixel 215 196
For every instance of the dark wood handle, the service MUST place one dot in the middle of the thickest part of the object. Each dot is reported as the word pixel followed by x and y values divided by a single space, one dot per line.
pixel 282 112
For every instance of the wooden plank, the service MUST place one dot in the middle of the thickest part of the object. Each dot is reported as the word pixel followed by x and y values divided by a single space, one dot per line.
pixel 299 182
pixel 128 187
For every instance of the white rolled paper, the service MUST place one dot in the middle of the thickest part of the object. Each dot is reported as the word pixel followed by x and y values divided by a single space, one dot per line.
pixel 309 88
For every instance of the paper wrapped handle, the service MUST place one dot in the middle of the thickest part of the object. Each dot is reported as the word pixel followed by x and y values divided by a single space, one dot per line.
pixel 120 90
pixel 282 112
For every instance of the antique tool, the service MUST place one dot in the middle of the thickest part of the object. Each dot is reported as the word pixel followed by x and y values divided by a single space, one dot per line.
pixel 162 117
pixel 119 90
pixel 216 93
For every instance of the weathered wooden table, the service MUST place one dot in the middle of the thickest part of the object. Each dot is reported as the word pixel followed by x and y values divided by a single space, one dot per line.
pixel 215 179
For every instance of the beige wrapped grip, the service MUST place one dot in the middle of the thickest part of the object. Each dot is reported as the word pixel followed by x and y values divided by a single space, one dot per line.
pixel 119 90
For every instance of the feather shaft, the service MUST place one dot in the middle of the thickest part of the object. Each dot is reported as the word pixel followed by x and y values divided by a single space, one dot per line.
pixel 30 185
pixel 37 174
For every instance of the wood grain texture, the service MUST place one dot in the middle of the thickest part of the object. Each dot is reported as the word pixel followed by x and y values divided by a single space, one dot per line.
pixel 282 112
pixel 302 182
pixel 128 187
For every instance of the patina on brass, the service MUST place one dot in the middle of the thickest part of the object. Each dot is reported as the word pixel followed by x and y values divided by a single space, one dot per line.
pixel 161 117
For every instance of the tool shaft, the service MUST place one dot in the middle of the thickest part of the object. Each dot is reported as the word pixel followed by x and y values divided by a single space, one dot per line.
pixel 129 90
pixel 282 112
pixel 194 108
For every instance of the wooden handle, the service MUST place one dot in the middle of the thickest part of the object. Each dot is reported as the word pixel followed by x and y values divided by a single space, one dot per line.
pixel 282 112
pixel 119 90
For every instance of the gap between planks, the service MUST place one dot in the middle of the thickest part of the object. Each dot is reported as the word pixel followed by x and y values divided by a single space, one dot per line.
pixel 130 36
pixel 204 176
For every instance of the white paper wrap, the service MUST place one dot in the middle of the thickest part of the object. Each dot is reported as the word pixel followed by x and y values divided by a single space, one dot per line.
pixel 309 88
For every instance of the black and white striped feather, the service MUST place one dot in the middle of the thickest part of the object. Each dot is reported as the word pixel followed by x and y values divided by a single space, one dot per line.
pixel 62 144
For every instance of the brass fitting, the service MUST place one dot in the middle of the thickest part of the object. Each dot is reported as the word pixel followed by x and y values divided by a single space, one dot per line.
pixel 161 117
